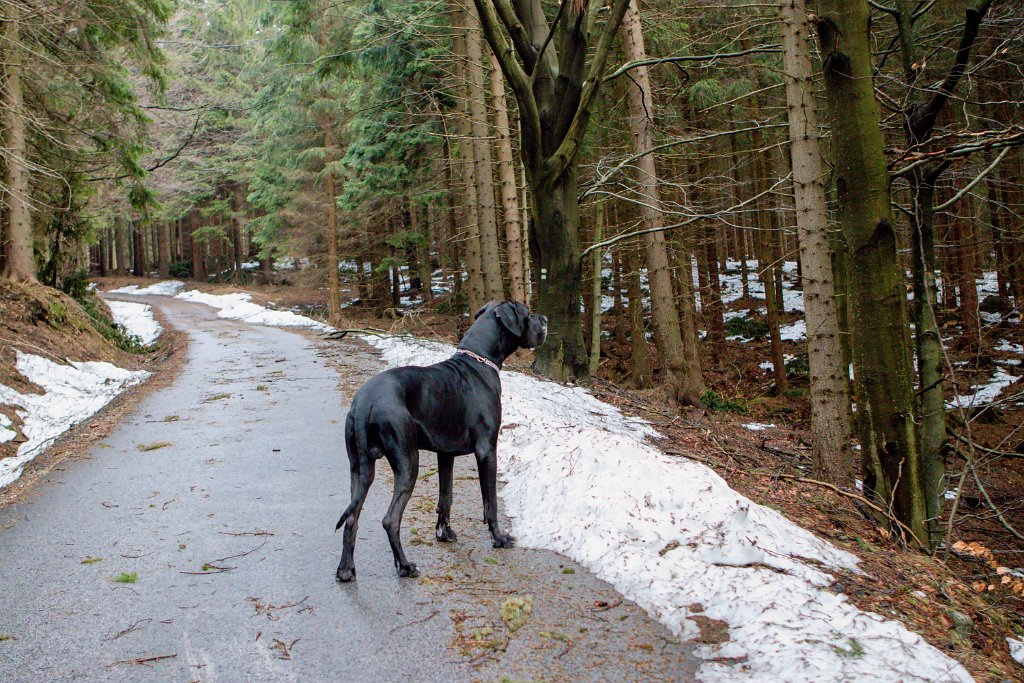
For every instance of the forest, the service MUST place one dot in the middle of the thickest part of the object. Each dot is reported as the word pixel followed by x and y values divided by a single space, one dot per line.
pixel 809 212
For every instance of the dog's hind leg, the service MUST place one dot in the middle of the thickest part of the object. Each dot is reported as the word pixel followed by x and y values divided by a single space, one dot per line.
pixel 445 471
pixel 404 462
pixel 361 469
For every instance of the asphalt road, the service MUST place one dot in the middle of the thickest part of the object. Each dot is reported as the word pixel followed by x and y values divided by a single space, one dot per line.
pixel 196 543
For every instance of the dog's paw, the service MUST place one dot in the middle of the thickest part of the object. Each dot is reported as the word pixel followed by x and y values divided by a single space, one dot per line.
pixel 504 541
pixel 445 534
pixel 344 575
pixel 409 570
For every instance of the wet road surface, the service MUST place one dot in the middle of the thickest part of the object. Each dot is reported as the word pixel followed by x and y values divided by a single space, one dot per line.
pixel 196 543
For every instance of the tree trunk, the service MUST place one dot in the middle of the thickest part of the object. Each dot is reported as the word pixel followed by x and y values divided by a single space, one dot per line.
pixel 198 247
pixel 763 238
pixel 967 266
pixel 620 312
pixel 885 401
pixel 123 250
pixel 830 434
pixel 920 116
pixel 138 250
pixel 595 289
pixel 20 264
pixel 554 250
pixel 680 365
pixel 476 292
pixel 238 231
pixel 163 243
pixel 330 198
pixel 490 260
pixel 767 274
pixel 424 270
pixel 19 247
pixel 713 305
pixel 555 88
pixel 639 364
pixel 509 187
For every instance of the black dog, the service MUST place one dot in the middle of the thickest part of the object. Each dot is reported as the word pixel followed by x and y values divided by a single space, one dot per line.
pixel 451 408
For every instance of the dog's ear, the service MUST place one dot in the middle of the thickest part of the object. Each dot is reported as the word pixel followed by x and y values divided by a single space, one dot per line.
pixel 512 315
pixel 488 306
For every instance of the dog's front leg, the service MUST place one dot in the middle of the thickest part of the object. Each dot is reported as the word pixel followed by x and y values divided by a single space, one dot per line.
pixel 445 474
pixel 487 464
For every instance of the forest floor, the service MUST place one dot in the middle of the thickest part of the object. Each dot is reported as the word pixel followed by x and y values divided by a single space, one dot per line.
pixel 965 602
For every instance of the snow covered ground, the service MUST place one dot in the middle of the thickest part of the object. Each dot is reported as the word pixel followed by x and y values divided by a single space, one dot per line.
pixel 72 393
pixel 136 319
pixel 240 307
pixel 6 433
pixel 582 479
pixel 163 288
pixel 1016 649
pixel 236 306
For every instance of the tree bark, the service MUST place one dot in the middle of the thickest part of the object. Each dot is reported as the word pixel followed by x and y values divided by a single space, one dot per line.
pixel 830 433
pixel 476 292
pixel 123 237
pixel 330 198
pixel 639 363
pixel 20 264
pixel 421 227
pixel 509 187
pixel 555 254
pixel 198 247
pixel 715 311
pixel 763 238
pixel 163 239
pixel 595 289
pixel 680 364
pixel 487 220
pixel 885 402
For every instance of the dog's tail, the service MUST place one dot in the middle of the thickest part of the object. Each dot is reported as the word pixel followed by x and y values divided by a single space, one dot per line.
pixel 358 448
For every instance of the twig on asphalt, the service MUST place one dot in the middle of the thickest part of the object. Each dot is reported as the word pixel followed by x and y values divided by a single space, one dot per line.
pixel 133 627
pixel 418 621
pixel 144 661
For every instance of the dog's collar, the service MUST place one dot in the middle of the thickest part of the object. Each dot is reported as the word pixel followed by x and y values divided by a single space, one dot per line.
pixel 479 359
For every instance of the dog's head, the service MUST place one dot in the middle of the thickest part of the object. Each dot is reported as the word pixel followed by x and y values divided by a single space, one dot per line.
pixel 529 329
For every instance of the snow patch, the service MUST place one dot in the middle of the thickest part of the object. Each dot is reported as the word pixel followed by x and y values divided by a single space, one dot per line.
pixel 1016 649
pixel 164 288
pixel 794 332
pixel 985 393
pixel 582 479
pixel 72 393
pixel 6 434
pixel 240 307
pixel 1005 345
pixel 136 319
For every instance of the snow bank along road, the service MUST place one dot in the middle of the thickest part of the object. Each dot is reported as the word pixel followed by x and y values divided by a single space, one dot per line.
pixel 196 543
